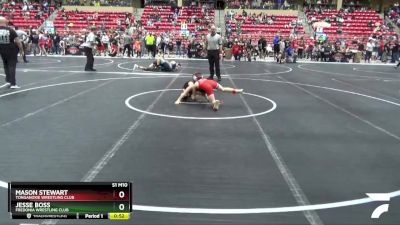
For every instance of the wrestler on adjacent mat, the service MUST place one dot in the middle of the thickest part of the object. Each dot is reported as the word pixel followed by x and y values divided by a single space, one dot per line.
pixel 160 65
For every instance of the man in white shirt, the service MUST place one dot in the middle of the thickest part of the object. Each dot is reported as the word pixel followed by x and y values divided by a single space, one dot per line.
pixel 158 42
pixel 166 42
pixel 88 49
pixel 24 38
pixel 214 49
pixel 106 41
pixel 369 49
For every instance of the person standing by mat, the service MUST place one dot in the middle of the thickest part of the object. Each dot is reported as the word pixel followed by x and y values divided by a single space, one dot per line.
pixel 88 49
pixel 24 38
pixel 150 45
pixel 214 49
pixel 9 45
pixel 127 44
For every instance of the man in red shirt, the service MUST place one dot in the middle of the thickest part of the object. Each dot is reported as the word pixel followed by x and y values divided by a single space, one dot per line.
pixel 236 50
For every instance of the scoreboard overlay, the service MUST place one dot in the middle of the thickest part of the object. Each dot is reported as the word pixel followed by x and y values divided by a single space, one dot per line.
pixel 70 200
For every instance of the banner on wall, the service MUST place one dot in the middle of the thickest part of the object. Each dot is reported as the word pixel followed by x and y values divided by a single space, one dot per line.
pixel 319 30
pixel 184 30
pixel 73 50
pixel 49 27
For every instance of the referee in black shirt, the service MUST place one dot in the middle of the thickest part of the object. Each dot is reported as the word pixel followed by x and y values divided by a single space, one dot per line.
pixel 214 48
pixel 9 44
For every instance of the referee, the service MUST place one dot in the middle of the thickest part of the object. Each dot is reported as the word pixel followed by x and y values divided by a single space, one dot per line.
pixel 88 49
pixel 9 45
pixel 214 48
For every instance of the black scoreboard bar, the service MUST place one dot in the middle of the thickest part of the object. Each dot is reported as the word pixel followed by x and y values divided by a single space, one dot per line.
pixel 70 200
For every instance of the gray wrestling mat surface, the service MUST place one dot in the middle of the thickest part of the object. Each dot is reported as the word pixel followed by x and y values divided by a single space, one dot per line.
pixel 314 137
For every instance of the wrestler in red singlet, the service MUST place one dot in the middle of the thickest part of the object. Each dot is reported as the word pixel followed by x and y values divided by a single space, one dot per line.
pixel 207 86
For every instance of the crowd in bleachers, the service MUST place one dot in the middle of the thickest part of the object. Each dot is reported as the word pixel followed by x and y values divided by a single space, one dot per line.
pixel 118 30
pixel 73 2
pixel 26 14
pixel 243 23
pixel 350 5
pixel 166 18
pixel 98 2
pixel 160 2
pixel 124 3
pixel 75 21
pixel 393 13
pixel 353 29
pixel 181 31
pixel 362 23
pixel 261 4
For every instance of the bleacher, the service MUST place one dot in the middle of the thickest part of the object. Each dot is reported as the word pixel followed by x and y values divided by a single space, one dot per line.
pixel 281 25
pixel 356 26
pixel 83 20
pixel 17 18
pixel 167 11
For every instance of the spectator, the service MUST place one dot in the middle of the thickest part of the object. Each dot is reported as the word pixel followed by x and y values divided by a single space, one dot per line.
pixel 236 50
pixel 302 46
pixel 34 39
pixel 381 48
pixel 56 44
pixel 150 44
pixel 276 45
pixel 369 49
pixel 170 47
pixel 262 46
pixel 290 58
pixel 106 42
pixel 127 40
pixel 281 56
pixel 114 49
pixel 137 48
pixel 178 47
pixel 42 44
pixel 395 52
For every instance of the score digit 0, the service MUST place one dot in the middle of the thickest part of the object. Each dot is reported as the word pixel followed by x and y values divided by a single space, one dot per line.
pixel 121 207
pixel 121 194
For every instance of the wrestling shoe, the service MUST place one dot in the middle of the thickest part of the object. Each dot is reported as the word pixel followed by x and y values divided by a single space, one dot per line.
pixel 216 105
